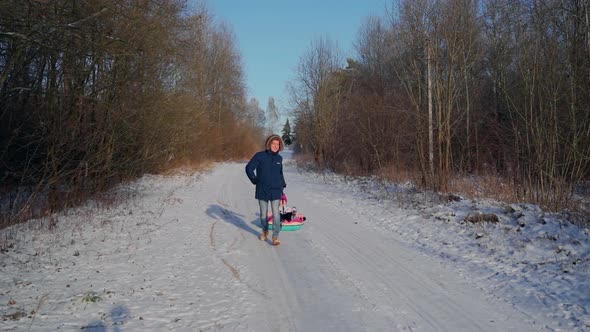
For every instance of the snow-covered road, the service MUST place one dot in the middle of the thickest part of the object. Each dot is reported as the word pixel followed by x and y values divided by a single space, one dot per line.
pixel 182 254
pixel 339 274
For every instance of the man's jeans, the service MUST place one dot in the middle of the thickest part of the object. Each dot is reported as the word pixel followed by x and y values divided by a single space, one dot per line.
pixel 276 217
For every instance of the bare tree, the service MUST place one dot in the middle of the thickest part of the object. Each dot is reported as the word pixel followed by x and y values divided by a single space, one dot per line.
pixel 313 97
pixel 410 45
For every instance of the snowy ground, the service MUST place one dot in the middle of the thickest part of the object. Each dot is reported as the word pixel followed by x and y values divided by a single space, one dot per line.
pixel 182 253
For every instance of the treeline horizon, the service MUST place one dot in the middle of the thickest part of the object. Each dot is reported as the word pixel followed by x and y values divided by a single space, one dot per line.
pixel 97 92
pixel 439 90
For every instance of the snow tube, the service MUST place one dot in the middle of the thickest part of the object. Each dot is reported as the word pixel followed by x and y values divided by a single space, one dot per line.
pixel 288 222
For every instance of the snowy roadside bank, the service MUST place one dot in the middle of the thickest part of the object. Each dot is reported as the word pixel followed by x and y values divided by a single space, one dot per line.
pixel 536 260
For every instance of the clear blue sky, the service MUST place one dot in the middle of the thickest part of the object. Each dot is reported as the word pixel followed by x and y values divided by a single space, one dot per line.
pixel 272 35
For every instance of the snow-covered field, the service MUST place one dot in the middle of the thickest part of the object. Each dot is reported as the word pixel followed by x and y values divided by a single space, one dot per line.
pixel 181 253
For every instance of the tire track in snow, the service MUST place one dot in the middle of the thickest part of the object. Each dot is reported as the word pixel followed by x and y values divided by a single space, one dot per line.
pixel 231 268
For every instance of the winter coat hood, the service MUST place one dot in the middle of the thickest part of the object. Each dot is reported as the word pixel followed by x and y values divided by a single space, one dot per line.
pixel 272 138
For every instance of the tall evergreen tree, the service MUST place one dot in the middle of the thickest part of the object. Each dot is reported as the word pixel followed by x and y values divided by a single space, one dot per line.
pixel 287 133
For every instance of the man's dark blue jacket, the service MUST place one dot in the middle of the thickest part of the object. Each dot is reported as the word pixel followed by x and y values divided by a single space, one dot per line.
pixel 265 170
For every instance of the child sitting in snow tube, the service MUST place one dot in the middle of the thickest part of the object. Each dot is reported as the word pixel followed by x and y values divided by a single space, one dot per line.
pixel 291 220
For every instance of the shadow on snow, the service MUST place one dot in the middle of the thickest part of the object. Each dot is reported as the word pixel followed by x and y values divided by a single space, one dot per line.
pixel 119 315
pixel 218 212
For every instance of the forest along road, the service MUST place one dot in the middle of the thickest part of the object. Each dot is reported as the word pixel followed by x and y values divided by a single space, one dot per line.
pixel 338 273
